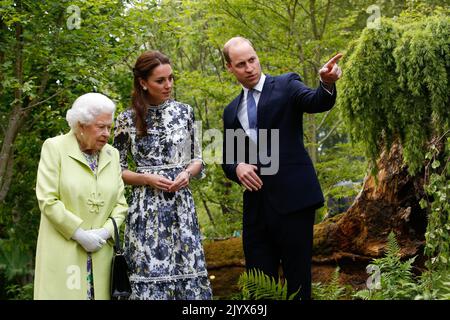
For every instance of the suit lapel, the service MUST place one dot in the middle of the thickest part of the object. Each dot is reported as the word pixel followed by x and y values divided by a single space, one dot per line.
pixel 235 107
pixel 264 99
pixel 262 104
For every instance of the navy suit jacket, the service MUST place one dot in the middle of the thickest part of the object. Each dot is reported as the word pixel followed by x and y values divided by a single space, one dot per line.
pixel 283 101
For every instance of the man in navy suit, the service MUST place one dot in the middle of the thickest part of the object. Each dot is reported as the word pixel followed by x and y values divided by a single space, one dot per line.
pixel 279 207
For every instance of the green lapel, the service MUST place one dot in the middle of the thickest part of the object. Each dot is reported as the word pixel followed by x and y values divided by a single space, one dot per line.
pixel 104 158
pixel 73 150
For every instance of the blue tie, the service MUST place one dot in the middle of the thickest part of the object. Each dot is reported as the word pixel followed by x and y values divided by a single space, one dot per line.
pixel 251 110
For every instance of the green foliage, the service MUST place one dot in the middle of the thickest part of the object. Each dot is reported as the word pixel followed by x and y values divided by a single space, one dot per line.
pixel 396 85
pixel 342 161
pixel 437 188
pixel 434 286
pixel 338 163
pixel 396 279
pixel 15 270
pixel 224 226
pixel 20 292
pixel 255 285
pixel 60 64
pixel 44 65
pixel 14 261
pixel 333 290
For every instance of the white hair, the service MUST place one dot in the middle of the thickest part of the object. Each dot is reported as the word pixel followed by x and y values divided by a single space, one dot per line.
pixel 87 107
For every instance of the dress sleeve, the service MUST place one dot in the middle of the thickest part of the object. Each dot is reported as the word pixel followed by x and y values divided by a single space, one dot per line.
pixel 122 138
pixel 196 148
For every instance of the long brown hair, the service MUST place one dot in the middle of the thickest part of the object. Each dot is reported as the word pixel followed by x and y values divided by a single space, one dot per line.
pixel 143 68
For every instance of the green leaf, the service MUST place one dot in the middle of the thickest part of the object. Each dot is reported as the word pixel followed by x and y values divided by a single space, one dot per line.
pixel 423 203
pixel 435 164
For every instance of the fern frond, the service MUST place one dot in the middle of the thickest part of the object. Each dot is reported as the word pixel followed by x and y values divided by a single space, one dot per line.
pixel 363 294
pixel 255 285
pixel 331 291
pixel 396 277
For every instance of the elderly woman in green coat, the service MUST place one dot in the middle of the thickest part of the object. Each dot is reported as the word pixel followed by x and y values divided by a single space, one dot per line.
pixel 79 186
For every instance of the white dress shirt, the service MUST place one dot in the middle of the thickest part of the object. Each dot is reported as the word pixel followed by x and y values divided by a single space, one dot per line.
pixel 242 109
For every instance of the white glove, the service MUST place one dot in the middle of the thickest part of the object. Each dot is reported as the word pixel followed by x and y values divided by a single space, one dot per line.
pixel 90 241
pixel 102 232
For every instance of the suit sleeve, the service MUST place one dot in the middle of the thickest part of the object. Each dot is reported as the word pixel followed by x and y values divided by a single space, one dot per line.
pixel 228 167
pixel 307 99
pixel 47 192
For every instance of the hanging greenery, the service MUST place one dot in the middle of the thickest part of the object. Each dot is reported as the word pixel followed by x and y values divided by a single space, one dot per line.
pixel 396 85
pixel 396 89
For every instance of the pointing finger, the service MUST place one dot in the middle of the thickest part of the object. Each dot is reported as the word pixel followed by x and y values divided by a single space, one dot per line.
pixel 333 60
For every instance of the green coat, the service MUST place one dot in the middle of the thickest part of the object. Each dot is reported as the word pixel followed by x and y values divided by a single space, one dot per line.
pixel 70 196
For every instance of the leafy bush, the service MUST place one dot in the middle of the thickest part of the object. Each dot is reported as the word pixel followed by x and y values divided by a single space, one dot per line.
pixel 14 262
pixel 20 292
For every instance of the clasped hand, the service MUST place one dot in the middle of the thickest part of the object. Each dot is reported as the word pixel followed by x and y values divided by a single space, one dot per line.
pixel 164 184
pixel 91 240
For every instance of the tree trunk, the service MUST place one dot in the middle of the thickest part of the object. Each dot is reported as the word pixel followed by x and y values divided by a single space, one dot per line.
pixel 389 202
pixel 208 212
pixel 312 134
pixel 224 208
pixel 16 118
pixel 3 32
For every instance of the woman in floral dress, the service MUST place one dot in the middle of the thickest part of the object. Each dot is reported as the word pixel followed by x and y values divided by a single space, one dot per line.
pixel 162 236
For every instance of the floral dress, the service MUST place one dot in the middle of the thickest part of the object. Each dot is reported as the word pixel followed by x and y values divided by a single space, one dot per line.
pixel 162 235
pixel 92 160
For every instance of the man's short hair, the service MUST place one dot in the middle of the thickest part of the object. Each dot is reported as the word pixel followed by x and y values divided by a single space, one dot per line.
pixel 231 42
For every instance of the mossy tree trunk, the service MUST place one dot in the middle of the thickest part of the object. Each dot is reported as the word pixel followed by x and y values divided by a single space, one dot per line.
pixel 387 202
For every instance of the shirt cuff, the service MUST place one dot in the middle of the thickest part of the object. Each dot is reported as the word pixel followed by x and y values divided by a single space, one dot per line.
pixel 325 88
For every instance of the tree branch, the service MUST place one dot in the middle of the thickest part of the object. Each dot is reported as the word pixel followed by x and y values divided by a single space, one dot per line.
pixel 199 115
pixel 208 212
pixel 218 203
pixel 304 9
pixel 325 19
pixel 216 67
pixel 188 58
pixel 6 182
pixel 274 11
pixel 15 119
pixel 330 132
pixel 238 16
pixel 3 32
pixel 323 119
pixel 32 105
pixel 18 66
pixel 312 17
pixel 442 137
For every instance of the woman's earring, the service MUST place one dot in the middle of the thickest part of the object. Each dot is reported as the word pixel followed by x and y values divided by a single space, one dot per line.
pixel 145 88
pixel 81 133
